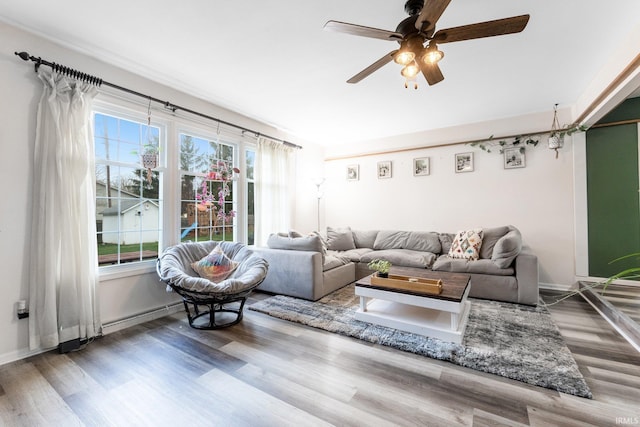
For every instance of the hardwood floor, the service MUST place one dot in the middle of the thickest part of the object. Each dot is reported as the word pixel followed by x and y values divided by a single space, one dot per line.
pixel 270 372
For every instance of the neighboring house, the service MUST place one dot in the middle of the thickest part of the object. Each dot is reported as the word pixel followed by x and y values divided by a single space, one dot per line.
pixel 102 203
pixel 102 200
pixel 131 221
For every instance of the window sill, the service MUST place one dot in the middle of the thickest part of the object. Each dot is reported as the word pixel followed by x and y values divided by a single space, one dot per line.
pixel 113 272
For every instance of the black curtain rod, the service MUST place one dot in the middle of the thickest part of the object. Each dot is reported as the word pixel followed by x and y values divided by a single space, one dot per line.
pixel 96 81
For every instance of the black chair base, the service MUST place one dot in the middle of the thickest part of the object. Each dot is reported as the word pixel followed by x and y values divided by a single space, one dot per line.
pixel 211 317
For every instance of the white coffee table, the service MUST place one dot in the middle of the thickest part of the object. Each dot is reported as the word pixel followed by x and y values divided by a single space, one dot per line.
pixel 442 316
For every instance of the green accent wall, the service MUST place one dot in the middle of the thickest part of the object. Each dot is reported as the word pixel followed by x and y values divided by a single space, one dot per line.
pixel 613 204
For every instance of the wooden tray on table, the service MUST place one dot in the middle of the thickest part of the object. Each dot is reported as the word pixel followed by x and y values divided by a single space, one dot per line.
pixel 408 283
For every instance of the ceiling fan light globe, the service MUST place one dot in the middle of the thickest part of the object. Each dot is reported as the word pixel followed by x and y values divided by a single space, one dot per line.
pixel 404 57
pixel 410 71
pixel 432 56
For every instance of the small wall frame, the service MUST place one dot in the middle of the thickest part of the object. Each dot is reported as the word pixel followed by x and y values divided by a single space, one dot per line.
pixel 353 172
pixel 514 158
pixel 464 162
pixel 384 169
pixel 421 166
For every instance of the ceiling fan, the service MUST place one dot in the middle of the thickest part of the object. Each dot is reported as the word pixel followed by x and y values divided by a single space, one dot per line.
pixel 419 39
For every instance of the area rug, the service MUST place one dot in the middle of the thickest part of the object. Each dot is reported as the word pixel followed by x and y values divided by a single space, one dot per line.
pixel 511 340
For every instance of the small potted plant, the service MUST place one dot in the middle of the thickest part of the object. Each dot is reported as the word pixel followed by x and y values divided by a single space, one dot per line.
pixel 382 266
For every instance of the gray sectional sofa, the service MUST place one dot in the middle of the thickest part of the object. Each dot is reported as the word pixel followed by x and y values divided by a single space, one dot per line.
pixel 312 266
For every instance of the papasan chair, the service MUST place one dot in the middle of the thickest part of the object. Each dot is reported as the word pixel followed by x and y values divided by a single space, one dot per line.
pixel 209 304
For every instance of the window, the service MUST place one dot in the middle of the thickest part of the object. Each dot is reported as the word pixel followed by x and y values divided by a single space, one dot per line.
pixel 250 161
pixel 128 195
pixel 200 221
pixel 141 210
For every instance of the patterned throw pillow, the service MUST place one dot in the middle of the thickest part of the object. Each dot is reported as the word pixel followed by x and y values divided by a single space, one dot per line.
pixel 466 244
pixel 216 266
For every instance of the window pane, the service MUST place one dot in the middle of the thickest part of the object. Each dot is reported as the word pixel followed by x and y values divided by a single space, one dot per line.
pixel 189 184
pixel 250 156
pixel 227 153
pixel 201 207
pixel 128 199
pixel 129 131
pixel 250 214
pixel 251 160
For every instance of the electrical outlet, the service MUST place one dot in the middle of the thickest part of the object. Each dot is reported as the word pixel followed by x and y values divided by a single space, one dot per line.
pixel 22 309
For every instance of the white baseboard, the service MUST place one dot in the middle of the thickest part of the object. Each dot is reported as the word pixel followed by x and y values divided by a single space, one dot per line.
pixel 21 354
pixel 558 287
pixel 119 325
pixel 106 329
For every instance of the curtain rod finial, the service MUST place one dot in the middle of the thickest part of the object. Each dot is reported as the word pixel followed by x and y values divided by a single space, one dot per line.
pixel 23 55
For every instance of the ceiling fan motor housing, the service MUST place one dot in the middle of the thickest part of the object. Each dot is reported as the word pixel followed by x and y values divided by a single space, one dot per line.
pixel 408 26
pixel 413 7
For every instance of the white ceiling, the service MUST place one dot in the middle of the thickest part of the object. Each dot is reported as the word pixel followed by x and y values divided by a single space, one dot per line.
pixel 272 61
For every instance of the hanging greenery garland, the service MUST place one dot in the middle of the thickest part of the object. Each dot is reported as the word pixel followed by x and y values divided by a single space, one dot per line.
pixel 522 141
pixel 555 139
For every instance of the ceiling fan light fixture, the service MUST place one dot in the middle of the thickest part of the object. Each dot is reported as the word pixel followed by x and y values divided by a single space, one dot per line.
pixel 432 55
pixel 403 58
pixel 410 71
pixel 405 55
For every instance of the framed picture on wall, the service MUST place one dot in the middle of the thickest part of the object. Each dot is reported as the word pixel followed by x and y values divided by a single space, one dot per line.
pixel 421 166
pixel 464 162
pixel 384 169
pixel 353 172
pixel 514 158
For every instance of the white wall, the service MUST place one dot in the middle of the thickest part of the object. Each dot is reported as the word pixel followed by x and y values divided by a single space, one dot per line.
pixel 121 294
pixel 537 199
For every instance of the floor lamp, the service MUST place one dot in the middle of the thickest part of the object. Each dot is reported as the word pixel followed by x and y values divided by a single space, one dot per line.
pixel 319 194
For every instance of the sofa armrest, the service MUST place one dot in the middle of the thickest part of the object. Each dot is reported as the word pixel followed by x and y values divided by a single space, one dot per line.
pixel 294 273
pixel 526 265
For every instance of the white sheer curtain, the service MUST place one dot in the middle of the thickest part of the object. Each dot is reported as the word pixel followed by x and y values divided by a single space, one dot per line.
pixel 64 259
pixel 274 178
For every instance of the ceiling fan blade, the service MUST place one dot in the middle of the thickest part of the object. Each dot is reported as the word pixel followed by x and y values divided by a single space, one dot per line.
pixel 499 27
pixel 430 13
pixel 373 67
pixel 432 73
pixel 360 30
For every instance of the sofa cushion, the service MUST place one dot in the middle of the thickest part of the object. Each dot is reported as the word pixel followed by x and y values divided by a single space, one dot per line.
pixel 364 239
pixel 304 243
pixel 446 239
pixel 294 234
pixel 426 241
pixel 352 254
pixel 333 261
pixel 340 239
pixel 390 239
pixel 323 241
pixel 481 266
pixel 489 238
pixel 507 248
pixel 466 244
pixel 401 257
